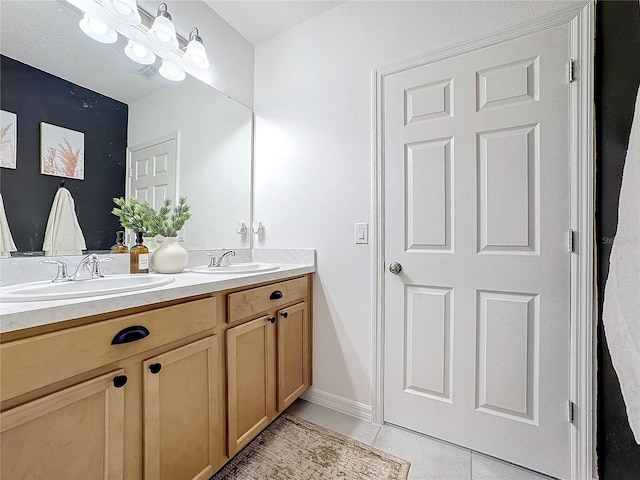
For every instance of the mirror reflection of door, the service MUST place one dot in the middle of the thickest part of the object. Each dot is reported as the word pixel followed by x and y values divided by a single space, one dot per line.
pixel 152 171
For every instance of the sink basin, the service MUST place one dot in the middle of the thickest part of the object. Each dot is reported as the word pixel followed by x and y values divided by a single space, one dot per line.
pixel 249 267
pixel 39 291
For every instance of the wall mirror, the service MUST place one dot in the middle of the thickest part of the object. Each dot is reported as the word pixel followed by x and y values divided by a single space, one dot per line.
pixel 212 133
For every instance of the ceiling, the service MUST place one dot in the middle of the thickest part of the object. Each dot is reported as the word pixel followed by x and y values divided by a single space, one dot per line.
pixel 260 20
pixel 45 34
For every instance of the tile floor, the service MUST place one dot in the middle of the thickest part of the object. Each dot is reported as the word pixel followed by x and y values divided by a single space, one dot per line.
pixel 430 459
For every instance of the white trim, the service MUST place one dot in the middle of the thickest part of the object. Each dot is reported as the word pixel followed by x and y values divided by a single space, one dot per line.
pixel 581 19
pixel 377 252
pixel 582 261
pixel 155 141
pixel 339 404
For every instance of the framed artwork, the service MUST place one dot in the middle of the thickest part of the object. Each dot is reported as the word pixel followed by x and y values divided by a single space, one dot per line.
pixel 61 152
pixel 8 139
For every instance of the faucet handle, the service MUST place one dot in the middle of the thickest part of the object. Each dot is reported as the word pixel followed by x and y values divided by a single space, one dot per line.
pixel 62 274
pixel 212 259
pixel 96 265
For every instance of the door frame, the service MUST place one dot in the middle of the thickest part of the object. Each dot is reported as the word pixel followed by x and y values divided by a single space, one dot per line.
pixel 581 19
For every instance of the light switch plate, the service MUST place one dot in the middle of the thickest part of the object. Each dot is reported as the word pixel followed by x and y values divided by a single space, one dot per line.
pixel 362 233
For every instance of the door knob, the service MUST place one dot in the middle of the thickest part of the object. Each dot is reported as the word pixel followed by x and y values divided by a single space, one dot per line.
pixel 395 268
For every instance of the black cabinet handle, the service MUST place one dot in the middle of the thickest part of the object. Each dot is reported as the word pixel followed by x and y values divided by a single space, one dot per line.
pixel 130 334
pixel 272 319
pixel 284 314
pixel 277 295
pixel 120 381
pixel 155 368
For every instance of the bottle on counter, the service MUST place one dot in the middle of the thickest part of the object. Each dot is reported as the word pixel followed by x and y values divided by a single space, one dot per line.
pixel 120 247
pixel 139 256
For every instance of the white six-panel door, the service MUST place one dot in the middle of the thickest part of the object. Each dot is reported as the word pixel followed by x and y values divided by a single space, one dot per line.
pixel 153 172
pixel 477 212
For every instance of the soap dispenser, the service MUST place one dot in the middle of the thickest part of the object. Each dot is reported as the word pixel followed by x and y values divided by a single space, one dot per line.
pixel 120 247
pixel 139 256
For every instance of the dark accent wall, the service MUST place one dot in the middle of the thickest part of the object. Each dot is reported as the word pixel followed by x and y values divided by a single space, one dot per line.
pixel 35 96
pixel 617 78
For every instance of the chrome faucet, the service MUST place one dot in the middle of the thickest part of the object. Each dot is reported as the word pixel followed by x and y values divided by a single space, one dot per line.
pixel 88 268
pixel 222 260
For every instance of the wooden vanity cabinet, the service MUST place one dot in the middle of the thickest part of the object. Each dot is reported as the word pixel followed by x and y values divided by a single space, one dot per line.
pixel 268 358
pixel 77 432
pixel 74 404
pixel 181 407
pixel 124 417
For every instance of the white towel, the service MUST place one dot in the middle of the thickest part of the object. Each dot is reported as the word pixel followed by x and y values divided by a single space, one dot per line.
pixel 621 311
pixel 63 235
pixel 6 240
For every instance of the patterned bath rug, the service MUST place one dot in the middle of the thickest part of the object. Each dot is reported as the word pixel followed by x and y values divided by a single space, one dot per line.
pixel 294 449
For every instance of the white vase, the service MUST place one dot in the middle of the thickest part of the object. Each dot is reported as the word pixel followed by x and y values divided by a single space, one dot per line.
pixel 169 257
pixel 150 243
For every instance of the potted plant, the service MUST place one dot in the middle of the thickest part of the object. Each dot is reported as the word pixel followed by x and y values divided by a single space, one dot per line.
pixel 139 216
pixel 170 256
pixel 167 223
pixel 134 214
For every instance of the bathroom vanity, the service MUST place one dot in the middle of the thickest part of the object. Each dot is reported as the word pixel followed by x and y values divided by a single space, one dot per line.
pixel 167 383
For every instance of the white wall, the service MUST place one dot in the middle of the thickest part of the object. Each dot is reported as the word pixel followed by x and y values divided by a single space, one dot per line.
pixel 313 151
pixel 214 157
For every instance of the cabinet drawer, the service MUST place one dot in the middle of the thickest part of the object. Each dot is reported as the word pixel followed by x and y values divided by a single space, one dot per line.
pixel 42 360
pixel 256 300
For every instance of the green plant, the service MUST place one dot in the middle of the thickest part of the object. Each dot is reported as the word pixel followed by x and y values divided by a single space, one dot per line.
pixel 136 215
pixel 168 223
pixel 139 216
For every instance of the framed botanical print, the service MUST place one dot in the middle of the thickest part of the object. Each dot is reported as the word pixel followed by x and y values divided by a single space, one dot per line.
pixel 61 152
pixel 8 139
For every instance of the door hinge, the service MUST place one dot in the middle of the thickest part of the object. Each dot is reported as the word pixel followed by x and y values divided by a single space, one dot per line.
pixel 130 172
pixel 571 411
pixel 572 70
pixel 571 242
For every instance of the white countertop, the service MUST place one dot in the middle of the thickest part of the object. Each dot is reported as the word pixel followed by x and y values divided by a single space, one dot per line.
pixel 20 315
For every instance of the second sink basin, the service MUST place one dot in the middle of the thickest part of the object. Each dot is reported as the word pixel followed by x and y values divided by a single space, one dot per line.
pixel 39 291
pixel 249 267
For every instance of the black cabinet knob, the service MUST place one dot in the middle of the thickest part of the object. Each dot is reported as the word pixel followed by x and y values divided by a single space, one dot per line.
pixel 120 381
pixel 155 368
pixel 284 314
pixel 276 295
pixel 272 319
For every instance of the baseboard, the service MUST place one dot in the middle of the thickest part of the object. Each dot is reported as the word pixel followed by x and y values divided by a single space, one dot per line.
pixel 339 404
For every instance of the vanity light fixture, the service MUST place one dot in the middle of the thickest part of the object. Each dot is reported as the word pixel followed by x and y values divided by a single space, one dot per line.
pixel 97 29
pixel 139 53
pixel 163 31
pixel 171 72
pixel 195 55
pixel 124 10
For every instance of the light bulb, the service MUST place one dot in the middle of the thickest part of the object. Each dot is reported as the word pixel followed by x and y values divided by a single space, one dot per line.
pixel 163 32
pixel 139 53
pixel 195 54
pixel 172 72
pixel 97 29
pixel 124 10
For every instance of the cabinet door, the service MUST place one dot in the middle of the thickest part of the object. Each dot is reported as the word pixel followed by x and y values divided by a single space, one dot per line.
pixel 250 380
pixel 180 412
pixel 77 432
pixel 294 353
